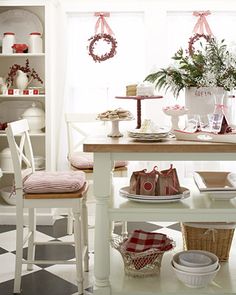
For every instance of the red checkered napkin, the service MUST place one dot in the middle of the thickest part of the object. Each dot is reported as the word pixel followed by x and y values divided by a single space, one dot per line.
pixel 141 241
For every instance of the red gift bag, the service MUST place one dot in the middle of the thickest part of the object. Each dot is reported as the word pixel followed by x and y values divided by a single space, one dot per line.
pixel 167 182
pixel 134 186
pixel 148 182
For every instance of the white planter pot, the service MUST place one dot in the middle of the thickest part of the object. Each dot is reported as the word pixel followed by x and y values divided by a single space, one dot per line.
pixel 199 101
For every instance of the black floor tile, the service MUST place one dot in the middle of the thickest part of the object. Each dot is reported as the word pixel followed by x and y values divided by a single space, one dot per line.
pixel 40 283
pixel 175 226
pixel 3 251
pixel 57 230
pixel 5 228
pixel 137 225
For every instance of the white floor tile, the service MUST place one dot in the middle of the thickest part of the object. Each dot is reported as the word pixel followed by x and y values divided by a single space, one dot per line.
pixel 7 272
pixel 8 239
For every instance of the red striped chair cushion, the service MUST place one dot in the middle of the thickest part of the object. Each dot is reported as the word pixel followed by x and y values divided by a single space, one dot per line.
pixel 54 182
pixel 86 162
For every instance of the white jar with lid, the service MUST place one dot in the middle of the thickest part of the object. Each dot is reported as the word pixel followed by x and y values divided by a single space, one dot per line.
pixel 7 42
pixel 35 43
pixel 35 117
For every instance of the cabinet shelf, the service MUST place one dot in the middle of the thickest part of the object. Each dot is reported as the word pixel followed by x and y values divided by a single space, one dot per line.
pixel 199 206
pixel 21 96
pixel 3 134
pixel 23 55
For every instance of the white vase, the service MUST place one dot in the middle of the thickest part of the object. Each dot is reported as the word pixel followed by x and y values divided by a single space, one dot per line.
pixel 199 101
pixel 21 80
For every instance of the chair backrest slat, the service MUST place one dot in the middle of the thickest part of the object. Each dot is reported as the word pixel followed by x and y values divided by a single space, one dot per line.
pixel 21 149
pixel 76 131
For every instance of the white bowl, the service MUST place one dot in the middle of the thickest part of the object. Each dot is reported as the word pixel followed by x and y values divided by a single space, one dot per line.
pixel 195 280
pixel 8 196
pixel 194 259
pixel 196 269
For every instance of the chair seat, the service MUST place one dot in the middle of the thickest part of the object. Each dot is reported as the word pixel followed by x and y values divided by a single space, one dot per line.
pixel 44 182
pixel 75 195
pixel 83 162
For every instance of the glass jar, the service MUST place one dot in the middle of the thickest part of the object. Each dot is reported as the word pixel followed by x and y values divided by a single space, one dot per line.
pixel 218 120
pixel 230 109
pixel 7 42
pixel 35 43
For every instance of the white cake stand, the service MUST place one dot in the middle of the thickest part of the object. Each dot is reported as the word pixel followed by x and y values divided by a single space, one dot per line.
pixel 115 132
pixel 175 114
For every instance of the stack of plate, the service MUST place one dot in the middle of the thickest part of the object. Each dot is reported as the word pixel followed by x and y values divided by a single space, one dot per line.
pixel 161 133
pixel 184 193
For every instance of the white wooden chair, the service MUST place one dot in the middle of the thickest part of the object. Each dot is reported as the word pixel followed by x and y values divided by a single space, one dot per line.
pixel 79 127
pixel 43 189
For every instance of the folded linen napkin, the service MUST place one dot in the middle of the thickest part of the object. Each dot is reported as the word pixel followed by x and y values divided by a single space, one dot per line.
pixel 140 241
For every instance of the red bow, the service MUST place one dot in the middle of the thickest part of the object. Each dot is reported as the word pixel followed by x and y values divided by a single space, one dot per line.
pixel 202 23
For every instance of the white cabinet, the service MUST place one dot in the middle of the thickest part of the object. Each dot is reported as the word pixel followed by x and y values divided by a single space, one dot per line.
pixel 38 14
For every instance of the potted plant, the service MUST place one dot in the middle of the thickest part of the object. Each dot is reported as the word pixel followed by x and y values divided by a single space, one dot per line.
pixel 199 72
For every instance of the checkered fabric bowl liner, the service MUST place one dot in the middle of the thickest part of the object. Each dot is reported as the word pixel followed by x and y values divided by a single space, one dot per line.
pixel 140 264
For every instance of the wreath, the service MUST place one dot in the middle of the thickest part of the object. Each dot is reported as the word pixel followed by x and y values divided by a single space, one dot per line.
pixel 106 38
pixel 194 39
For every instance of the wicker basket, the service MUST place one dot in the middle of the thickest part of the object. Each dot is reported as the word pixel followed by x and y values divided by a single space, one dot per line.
pixel 142 264
pixel 212 237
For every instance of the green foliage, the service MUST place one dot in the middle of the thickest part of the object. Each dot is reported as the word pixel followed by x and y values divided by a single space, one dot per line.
pixel 211 65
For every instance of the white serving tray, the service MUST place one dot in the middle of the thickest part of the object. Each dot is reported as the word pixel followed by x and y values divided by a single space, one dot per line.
pixel 205 136
pixel 220 185
pixel 124 192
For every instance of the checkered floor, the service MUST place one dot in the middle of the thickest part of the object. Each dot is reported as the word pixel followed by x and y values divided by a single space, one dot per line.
pixel 57 279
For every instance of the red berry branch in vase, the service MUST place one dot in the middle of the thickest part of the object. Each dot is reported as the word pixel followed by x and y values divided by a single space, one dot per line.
pixel 31 73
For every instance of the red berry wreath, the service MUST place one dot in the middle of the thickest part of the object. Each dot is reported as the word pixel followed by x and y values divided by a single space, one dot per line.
pixel 106 38
pixel 195 38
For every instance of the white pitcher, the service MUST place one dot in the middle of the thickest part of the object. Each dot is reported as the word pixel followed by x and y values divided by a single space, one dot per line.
pixel 22 80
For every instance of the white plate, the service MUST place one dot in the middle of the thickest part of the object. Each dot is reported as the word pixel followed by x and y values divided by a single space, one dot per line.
pixel 124 192
pixel 21 22
pixel 160 131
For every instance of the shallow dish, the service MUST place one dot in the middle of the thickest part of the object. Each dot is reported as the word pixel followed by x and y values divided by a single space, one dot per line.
pixel 195 280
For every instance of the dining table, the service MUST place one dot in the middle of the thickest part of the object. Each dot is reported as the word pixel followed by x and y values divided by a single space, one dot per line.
pixel 111 207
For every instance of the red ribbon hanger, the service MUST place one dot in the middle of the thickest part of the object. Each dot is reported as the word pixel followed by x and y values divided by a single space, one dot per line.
pixel 103 23
pixel 202 23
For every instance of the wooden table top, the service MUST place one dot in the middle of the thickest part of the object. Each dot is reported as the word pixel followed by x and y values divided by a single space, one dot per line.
pixel 127 145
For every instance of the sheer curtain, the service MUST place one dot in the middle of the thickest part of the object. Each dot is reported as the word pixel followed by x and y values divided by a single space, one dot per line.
pixel 91 87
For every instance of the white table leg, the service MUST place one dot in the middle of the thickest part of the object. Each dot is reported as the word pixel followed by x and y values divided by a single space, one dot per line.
pixel 102 191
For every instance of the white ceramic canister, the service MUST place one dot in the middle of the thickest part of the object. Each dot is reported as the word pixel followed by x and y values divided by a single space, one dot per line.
pixel 6 160
pixel 35 43
pixel 7 42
